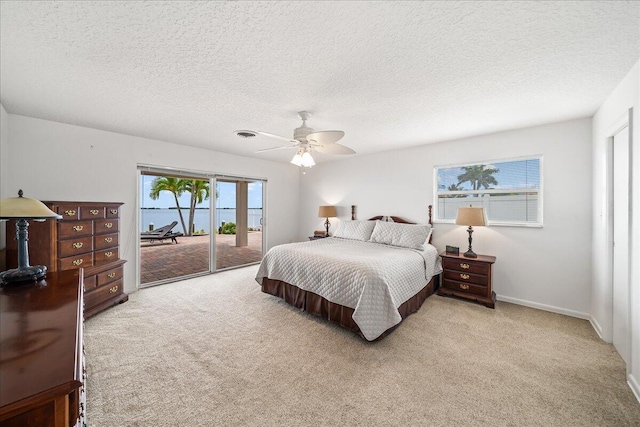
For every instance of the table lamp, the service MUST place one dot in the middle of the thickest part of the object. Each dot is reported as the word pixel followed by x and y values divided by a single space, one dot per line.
pixel 22 209
pixel 326 212
pixel 472 217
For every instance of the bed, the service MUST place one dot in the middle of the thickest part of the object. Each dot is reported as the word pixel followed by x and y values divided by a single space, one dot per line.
pixel 369 277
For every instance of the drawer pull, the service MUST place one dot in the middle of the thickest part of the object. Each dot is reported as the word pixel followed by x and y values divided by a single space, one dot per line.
pixel 94 212
pixel 108 239
pixel 108 224
pixel 463 286
pixel 113 290
pixel 111 275
pixel 108 254
pixel 465 266
pixel 114 211
pixel 77 245
pixel 70 212
pixel 78 227
pixel 77 262
pixel 464 276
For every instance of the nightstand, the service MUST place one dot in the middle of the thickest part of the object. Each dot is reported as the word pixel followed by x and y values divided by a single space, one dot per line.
pixel 317 237
pixel 468 278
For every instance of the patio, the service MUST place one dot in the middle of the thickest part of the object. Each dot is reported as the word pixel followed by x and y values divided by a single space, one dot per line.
pixel 166 260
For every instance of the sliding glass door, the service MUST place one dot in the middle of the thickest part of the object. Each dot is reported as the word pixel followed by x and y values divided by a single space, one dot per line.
pixel 174 227
pixel 239 222
pixel 194 223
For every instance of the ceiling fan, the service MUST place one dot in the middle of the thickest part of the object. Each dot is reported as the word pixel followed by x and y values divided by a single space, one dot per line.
pixel 305 140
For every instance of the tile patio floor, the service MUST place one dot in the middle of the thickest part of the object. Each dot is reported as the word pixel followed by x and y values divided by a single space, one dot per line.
pixel 159 261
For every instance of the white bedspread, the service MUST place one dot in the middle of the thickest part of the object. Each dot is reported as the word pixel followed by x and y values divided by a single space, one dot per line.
pixel 373 279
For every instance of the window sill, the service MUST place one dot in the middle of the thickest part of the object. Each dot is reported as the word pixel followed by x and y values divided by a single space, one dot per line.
pixel 495 224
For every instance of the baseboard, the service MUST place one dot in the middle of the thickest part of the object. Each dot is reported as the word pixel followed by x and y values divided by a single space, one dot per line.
pixel 596 326
pixel 545 307
pixel 635 387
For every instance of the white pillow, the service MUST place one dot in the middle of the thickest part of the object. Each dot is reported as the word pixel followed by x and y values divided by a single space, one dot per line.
pixel 355 230
pixel 412 236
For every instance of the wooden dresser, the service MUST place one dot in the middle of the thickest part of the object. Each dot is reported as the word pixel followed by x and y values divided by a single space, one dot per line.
pixel 41 354
pixel 86 237
pixel 468 278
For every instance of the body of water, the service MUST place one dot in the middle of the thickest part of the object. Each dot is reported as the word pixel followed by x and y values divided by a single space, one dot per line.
pixel 162 217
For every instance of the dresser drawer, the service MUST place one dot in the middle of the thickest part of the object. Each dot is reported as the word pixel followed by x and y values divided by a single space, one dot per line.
pixel 76 261
pixel 71 247
pixel 468 288
pixel 91 212
pixel 105 241
pixel 106 255
pixel 68 229
pixel 109 276
pixel 90 282
pixel 105 226
pixel 466 277
pixel 68 212
pixel 466 266
pixel 101 294
pixel 113 211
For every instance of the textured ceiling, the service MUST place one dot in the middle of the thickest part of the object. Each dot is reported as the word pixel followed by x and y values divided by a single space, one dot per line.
pixel 390 74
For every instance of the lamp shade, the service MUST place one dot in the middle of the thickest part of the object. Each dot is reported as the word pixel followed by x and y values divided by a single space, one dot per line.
pixel 25 208
pixel 327 212
pixel 471 216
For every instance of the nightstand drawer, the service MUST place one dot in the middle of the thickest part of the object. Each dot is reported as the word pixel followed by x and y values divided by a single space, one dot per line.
pixel 466 277
pixel 466 266
pixel 468 288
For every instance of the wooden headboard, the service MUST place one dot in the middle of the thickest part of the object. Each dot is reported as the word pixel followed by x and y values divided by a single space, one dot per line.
pixel 396 218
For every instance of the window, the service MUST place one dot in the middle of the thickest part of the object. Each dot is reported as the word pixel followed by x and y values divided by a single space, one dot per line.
pixel 509 190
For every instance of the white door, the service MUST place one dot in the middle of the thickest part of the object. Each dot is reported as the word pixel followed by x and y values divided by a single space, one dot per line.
pixel 621 243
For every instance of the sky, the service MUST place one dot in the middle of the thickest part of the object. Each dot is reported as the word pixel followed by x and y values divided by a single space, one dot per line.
pixel 226 192
pixel 514 174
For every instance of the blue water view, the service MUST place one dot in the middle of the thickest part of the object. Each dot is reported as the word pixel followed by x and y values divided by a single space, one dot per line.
pixel 162 217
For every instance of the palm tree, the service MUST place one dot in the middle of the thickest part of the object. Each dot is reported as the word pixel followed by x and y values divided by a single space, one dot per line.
pixel 199 190
pixel 455 187
pixel 478 176
pixel 175 186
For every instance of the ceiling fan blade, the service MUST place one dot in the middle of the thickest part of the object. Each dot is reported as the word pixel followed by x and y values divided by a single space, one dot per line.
pixel 270 135
pixel 275 148
pixel 324 137
pixel 333 149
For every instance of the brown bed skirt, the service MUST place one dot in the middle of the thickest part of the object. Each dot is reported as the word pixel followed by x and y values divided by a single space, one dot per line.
pixel 317 305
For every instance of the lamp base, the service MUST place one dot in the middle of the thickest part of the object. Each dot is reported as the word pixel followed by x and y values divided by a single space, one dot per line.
pixel 470 254
pixel 19 276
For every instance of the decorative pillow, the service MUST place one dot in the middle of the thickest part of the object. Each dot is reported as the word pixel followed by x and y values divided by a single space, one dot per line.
pixel 355 230
pixel 412 236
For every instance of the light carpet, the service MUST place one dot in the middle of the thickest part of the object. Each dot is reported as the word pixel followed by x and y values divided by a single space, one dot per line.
pixel 215 351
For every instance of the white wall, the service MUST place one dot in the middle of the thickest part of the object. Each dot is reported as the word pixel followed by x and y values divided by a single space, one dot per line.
pixel 542 267
pixel 625 96
pixel 4 146
pixel 65 162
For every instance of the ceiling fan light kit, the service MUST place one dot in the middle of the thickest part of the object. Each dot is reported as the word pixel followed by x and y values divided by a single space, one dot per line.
pixel 305 140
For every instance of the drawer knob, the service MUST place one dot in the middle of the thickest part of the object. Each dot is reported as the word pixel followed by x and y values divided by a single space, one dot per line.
pixel 113 290
pixel 70 212
pixel 108 239
pixel 94 212
pixel 111 275
pixel 77 245
pixel 464 276
pixel 108 224
pixel 108 254
pixel 463 286
pixel 78 227
pixel 77 262
pixel 465 266
pixel 113 211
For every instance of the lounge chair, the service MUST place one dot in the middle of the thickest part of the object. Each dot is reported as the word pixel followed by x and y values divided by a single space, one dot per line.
pixel 161 233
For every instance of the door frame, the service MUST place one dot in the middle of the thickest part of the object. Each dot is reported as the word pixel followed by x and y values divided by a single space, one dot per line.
pixel 618 125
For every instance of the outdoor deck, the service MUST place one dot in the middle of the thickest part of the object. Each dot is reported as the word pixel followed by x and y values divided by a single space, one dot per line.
pixel 160 261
